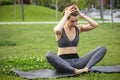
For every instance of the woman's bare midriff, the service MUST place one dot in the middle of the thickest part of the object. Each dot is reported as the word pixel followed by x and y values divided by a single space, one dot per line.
pixel 67 50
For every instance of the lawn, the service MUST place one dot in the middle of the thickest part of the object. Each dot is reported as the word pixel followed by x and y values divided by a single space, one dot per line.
pixel 24 47
pixel 31 13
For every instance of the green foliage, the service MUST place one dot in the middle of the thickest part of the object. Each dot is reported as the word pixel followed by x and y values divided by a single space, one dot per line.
pixel 6 2
pixel 33 41
pixel 117 4
pixel 26 63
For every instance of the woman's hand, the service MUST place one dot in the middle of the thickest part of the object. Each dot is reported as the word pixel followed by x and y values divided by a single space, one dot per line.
pixel 81 14
pixel 69 10
pixel 66 13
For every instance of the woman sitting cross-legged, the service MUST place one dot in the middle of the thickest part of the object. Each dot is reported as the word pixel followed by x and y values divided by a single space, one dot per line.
pixel 67 34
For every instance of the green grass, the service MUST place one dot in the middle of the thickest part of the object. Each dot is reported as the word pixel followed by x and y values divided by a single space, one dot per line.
pixel 24 47
pixel 31 13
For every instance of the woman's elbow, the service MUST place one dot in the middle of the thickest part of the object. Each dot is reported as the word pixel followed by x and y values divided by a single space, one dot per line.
pixel 95 25
pixel 55 29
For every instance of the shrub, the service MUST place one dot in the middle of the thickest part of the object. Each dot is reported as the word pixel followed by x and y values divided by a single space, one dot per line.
pixel 7 2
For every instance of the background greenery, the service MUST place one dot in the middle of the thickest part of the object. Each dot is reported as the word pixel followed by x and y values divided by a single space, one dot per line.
pixel 31 13
pixel 82 4
pixel 24 47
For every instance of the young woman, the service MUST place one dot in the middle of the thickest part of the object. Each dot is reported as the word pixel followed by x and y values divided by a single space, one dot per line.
pixel 67 34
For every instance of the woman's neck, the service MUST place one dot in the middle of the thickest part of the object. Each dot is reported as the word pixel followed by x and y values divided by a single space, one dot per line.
pixel 68 27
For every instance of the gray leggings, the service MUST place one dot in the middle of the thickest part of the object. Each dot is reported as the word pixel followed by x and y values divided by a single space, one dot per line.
pixel 69 65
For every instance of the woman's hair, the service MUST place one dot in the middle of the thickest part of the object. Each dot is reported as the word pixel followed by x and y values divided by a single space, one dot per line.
pixel 75 13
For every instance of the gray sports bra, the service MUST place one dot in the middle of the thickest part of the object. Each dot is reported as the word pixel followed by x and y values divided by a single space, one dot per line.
pixel 65 42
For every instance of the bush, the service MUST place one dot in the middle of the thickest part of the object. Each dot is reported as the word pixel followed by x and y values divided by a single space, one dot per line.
pixel 6 2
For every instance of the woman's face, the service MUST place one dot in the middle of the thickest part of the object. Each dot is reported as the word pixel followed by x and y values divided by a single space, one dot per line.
pixel 72 21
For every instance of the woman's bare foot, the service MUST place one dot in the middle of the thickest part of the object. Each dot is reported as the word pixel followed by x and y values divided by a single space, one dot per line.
pixel 78 71
pixel 86 69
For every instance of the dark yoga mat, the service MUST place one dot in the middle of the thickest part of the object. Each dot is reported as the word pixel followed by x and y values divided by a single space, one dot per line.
pixel 47 73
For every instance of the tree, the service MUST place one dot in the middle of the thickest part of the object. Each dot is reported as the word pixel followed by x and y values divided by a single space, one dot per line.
pixel 117 4
pixel 24 1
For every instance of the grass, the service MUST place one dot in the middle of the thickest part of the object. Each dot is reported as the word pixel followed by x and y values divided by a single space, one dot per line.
pixel 24 47
pixel 31 13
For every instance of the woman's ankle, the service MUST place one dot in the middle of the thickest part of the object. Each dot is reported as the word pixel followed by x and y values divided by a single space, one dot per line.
pixel 78 71
pixel 86 69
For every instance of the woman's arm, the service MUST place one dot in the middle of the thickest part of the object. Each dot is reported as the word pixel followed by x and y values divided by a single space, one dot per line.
pixel 59 26
pixel 92 23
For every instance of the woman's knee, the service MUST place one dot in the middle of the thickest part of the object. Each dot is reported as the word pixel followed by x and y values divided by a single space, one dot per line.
pixel 103 49
pixel 49 54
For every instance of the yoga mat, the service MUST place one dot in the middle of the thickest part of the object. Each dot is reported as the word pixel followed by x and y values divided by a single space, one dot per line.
pixel 105 69
pixel 47 73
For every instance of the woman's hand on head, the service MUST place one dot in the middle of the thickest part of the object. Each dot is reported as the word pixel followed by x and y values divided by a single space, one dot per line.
pixel 69 10
pixel 81 14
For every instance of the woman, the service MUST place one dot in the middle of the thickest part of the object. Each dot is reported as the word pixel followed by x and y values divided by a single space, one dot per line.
pixel 67 34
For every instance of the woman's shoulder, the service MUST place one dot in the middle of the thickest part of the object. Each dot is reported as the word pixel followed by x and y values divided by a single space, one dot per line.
pixel 78 27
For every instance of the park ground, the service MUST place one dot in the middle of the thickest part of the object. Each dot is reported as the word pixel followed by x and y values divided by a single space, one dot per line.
pixel 24 46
